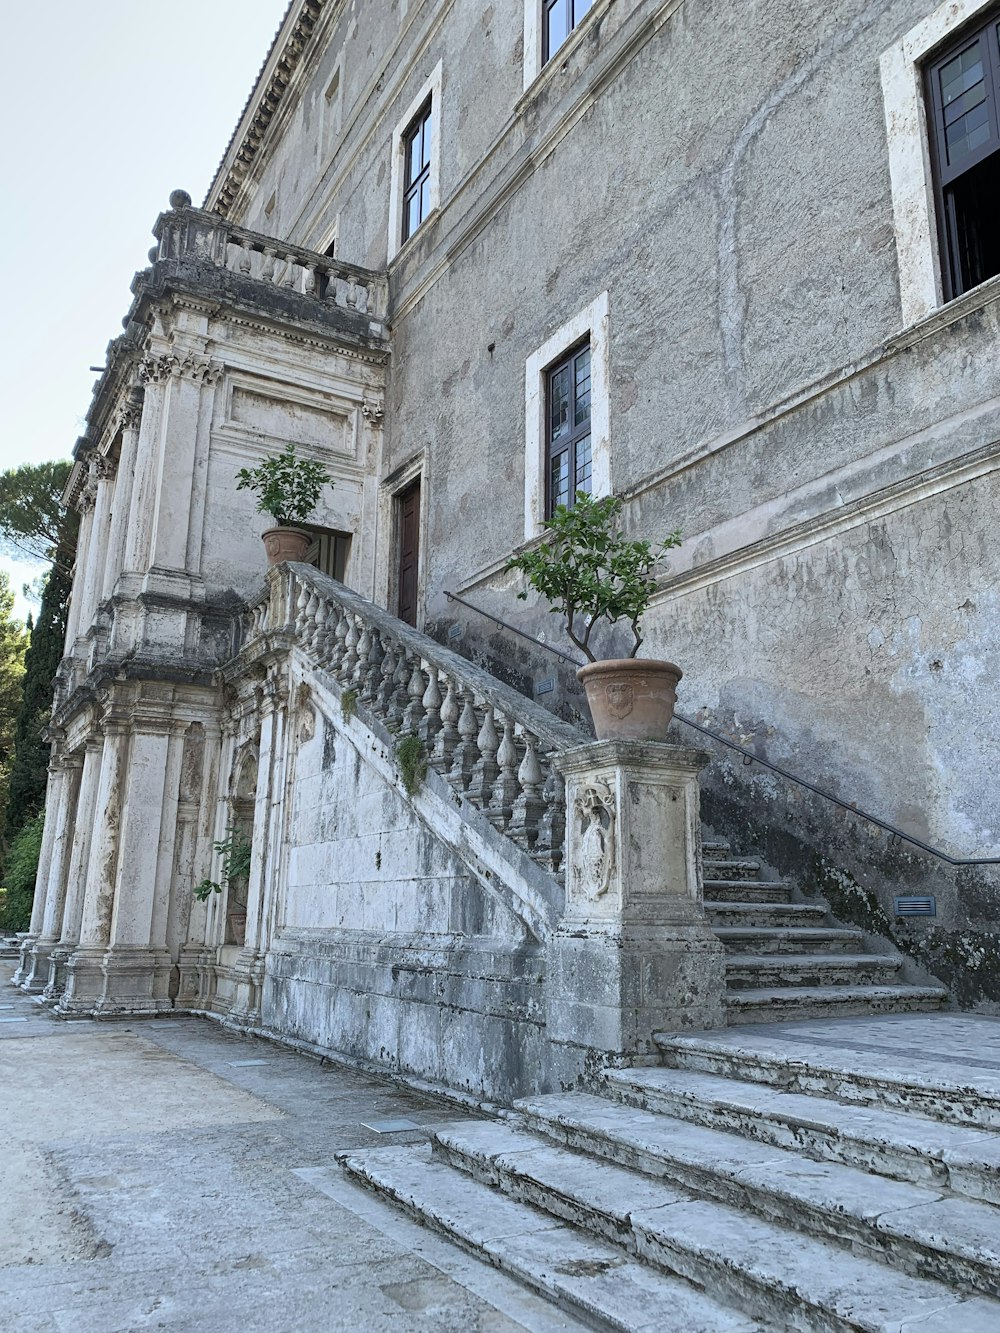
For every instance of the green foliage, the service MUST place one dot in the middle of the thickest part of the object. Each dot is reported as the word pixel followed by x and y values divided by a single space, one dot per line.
pixel 590 572
pixel 288 488
pixel 13 646
pixel 348 704
pixel 33 522
pixel 19 877
pixel 31 750
pixel 235 851
pixel 410 761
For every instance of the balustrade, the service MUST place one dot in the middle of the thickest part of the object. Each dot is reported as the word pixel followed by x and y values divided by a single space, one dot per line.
pixel 492 745
pixel 192 233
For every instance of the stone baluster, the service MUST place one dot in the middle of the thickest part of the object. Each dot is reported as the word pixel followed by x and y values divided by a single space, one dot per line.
pixel 309 285
pixel 400 681
pixel 386 689
pixel 331 285
pixel 319 639
pixel 309 629
pixel 550 843
pixel 338 647
pixel 364 648
pixel 245 264
pixel 447 737
pixel 351 294
pixel 291 271
pixel 267 269
pixel 528 806
pixel 373 673
pixel 467 750
pixel 350 659
pixel 414 711
pixel 430 724
pixel 301 603
pixel 485 770
pixel 506 786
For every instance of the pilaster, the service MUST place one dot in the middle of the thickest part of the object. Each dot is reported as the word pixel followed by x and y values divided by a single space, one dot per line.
pixel 64 789
pixel 633 954
pixel 24 976
pixel 76 875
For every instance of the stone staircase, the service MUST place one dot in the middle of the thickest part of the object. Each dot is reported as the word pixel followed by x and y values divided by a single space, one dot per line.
pixel 785 959
pixel 824 1176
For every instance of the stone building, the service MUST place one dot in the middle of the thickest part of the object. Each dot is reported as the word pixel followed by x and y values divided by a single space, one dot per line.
pixel 742 274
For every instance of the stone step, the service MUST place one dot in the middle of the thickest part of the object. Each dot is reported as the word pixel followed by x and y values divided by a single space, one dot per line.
pixel 902 1145
pixel 715 848
pixel 766 915
pixel 763 1268
pixel 745 891
pixel 734 867
pixel 746 971
pixel 582 1275
pixel 789 939
pixel 777 1004
pixel 895 1066
pixel 915 1229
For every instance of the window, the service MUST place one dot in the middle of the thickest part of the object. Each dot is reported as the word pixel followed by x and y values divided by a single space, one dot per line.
pixel 567 444
pixel 567 409
pixel 414 186
pixel 559 18
pixel 964 95
pixel 417 171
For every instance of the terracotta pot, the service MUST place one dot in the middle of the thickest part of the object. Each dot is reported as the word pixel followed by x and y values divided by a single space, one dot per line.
pixel 630 699
pixel 285 544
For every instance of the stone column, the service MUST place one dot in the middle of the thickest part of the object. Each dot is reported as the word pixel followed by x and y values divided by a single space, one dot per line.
pixel 84 968
pixel 102 471
pixel 268 812
pixel 138 527
pixel 83 551
pixel 137 966
pixel 123 494
pixel 53 798
pixel 634 954
pixel 63 792
pixel 76 875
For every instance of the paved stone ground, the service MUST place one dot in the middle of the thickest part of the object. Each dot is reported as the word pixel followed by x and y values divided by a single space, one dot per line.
pixel 171 1175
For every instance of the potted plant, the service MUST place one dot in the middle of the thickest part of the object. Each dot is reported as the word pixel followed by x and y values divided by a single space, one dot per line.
pixel 591 573
pixel 288 488
pixel 235 851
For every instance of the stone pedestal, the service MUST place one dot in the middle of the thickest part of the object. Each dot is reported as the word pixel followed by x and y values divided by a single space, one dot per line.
pixel 633 954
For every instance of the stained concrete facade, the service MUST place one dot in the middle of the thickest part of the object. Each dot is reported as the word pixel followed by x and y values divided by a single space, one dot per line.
pixel 720 209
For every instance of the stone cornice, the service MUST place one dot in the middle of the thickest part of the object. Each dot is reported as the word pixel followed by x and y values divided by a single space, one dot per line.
pixel 276 75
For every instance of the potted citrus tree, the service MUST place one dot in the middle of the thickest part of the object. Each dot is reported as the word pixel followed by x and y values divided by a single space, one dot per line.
pixel 592 575
pixel 288 488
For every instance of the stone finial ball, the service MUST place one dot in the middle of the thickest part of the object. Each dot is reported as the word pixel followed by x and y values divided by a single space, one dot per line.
pixel 154 254
pixel 180 199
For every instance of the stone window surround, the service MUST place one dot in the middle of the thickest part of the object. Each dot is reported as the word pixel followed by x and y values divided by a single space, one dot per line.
pixel 908 135
pixel 592 320
pixel 431 90
pixel 533 65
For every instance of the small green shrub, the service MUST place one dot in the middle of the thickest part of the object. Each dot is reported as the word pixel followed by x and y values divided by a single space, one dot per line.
pixel 235 851
pixel 411 762
pixel 590 572
pixel 288 488
pixel 348 704
pixel 19 876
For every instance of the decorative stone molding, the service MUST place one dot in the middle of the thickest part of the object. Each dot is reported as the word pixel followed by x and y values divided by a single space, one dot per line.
pixel 596 817
pixel 373 412
pixel 103 467
pixel 202 369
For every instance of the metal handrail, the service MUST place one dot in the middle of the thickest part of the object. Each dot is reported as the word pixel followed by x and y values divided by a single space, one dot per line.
pixel 750 758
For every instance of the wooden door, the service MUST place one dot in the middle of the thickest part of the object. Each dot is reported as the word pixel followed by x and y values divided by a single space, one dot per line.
pixel 408 506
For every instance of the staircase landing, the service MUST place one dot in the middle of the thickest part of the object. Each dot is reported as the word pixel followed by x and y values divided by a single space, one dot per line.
pixel 821 1175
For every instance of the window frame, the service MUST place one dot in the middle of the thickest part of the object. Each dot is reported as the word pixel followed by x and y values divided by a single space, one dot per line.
pixel 430 94
pixel 946 177
pixel 547 7
pixel 420 126
pixel 591 324
pixel 909 134
pixel 569 443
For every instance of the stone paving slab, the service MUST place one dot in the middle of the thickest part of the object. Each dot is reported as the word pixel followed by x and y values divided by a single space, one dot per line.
pixel 147 1181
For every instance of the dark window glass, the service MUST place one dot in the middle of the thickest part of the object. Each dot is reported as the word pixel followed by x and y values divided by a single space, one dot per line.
pixel 568 430
pixel 964 93
pixel 417 171
pixel 559 18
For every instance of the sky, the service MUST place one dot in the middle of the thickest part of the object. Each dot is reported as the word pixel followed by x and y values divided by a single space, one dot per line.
pixel 110 106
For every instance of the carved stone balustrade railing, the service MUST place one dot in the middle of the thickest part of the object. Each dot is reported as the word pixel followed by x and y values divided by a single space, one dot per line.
pixel 491 744
pixel 190 233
